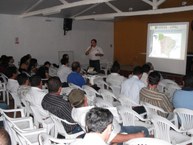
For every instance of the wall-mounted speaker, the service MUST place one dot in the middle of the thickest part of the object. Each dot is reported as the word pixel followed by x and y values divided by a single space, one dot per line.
pixel 67 25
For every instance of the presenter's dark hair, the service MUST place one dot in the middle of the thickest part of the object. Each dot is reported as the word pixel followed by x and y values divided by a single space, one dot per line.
pixel 97 119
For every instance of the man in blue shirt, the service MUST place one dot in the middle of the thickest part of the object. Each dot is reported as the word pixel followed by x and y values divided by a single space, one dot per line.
pixel 184 98
pixel 75 77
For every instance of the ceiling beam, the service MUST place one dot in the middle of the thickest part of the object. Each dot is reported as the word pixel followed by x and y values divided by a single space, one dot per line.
pixel 154 3
pixel 60 7
pixel 136 13
pixel 63 1
pixel 33 6
pixel 113 7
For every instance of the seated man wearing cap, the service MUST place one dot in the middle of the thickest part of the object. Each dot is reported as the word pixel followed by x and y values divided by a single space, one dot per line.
pixel 79 102
pixel 55 104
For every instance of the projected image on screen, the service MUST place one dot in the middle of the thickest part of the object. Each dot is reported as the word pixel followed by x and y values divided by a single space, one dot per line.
pixel 167 41
pixel 167 46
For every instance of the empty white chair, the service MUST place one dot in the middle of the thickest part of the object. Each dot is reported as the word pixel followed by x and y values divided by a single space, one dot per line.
pixel 146 141
pixel 185 117
pixel 167 131
pixel 103 103
pixel 45 139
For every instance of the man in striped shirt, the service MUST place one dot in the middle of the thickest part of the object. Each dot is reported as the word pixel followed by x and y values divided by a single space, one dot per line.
pixel 151 95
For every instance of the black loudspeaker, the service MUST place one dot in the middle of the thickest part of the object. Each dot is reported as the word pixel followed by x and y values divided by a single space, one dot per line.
pixel 189 64
pixel 67 25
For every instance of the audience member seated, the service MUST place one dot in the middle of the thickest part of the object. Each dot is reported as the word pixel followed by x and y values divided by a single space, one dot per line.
pixel 4 137
pixel 35 95
pixel 11 61
pixel 64 71
pixel 183 98
pixel 43 71
pixel 131 87
pixel 80 108
pixel 32 69
pixel 24 64
pixel 12 84
pixel 75 77
pixel 3 63
pixel 24 87
pixel 115 78
pixel 146 70
pixel 99 125
pixel 151 95
pixel 55 104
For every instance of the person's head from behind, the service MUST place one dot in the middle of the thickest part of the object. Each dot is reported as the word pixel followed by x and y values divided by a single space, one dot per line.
pixel 65 56
pixel 99 120
pixel 146 68
pixel 11 72
pixel 54 85
pixel 188 81
pixel 24 61
pixel 33 65
pixel 36 81
pixel 23 79
pixel 64 61
pixel 93 42
pixel 154 78
pixel 150 65
pixel 4 137
pixel 77 98
pixel 115 69
pixel 76 66
pixel 138 71
pixel 47 64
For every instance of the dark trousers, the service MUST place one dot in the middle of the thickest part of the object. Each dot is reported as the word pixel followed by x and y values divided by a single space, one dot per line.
pixel 95 64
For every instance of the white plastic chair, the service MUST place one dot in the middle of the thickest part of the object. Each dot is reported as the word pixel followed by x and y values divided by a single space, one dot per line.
pixel 102 103
pixel 116 89
pixel 132 118
pixel 125 101
pixel 45 139
pixel 167 131
pixel 107 95
pixel 185 119
pixel 59 128
pixel 41 121
pixel 90 94
pixel 100 82
pixel 4 92
pixel 146 141
pixel 23 125
pixel 74 86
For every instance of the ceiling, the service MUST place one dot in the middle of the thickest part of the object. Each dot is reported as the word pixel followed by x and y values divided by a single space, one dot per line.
pixel 92 9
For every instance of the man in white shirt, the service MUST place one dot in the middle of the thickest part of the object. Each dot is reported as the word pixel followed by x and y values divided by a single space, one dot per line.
pixel 35 95
pixel 94 53
pixel 132 86
pixel 115 78
pixel 12 84
pixel 64 70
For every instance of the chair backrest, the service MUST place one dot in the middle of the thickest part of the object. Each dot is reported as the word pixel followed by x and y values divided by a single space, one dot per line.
pixel 107 95
pixel 3 78
pixel 146 141
pixel 185 117
pixel 100 82
pixel 152 109
pixel 45 139
pixel 103 103
pixel 59 128
pixel 128 115
pixel 74 86
pixel 125 101
pixel 163 127
pixel 90 94
pixel 17 101
pixel 116 89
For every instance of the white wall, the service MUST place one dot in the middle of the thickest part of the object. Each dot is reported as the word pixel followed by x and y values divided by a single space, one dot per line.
pixel 43 39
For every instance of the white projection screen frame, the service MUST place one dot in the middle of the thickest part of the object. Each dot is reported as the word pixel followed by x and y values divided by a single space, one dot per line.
pixel 167 46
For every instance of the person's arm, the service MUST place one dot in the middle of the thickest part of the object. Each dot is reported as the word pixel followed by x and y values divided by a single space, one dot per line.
pixel 119 138
pixel 88 50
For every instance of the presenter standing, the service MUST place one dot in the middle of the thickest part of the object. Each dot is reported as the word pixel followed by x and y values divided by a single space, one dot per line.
pixel 94 53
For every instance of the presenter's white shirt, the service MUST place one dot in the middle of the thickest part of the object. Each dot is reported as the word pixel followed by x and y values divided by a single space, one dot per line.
pixel 93 52
pixel 131 88
pixel 63 73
